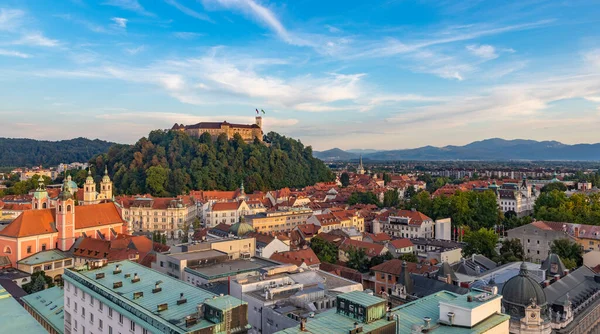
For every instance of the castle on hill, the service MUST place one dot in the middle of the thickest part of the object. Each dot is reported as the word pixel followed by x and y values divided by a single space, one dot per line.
pixel 249 132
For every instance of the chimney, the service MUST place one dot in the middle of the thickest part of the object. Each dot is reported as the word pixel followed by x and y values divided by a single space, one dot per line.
pixel 566 272
pixel 556 277
pixel 451 318
pixel 546 283
pixel 303 324
pixel 426 322
pixel 469 298
pixel 448 279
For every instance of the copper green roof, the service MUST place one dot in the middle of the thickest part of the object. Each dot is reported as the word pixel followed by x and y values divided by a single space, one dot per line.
pixel 362 298
pixel 44 257
pixel 14 318
pixel 413 313
pixel 49 304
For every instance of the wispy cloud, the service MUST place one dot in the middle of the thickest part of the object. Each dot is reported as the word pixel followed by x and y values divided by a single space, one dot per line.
pixel 10 19
pixel 188 11
pixel 136 50
pixel 120 22
pixel 187 35
pixel 131 5
pixel 37 39
pixel 13 53
pixel 261 14
pixel 483 51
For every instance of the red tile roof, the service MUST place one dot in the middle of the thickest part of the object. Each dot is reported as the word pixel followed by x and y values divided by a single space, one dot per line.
pixel 416 217
pixel 394 267
pixel 297 257
pixel 225 206
pixel 379 237
pixel 401 243
pixel 371 249
pixel 17 206
pixel 308 230
pixel 36 222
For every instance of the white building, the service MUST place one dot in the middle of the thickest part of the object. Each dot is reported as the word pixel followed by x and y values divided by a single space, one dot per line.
pixel 288 293
pixel 406 224
pixel 126 297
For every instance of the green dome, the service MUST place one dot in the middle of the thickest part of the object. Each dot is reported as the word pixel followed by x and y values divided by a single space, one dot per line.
pixel 520 291
pixel 241 228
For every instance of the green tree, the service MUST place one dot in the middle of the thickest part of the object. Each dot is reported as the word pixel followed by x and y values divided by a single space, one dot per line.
pixel 482 241
pixel 38 282
pixel 409 192
pixel 421 202
pixel 379 259
pixel 387 178
pixel 163 239
pixel 357 259
pixel 156 178
pixel 554 186
pixel 511 251
pixel 390 198
pixel 196 224
pixel 326 251
pixel 568 250
pixel 409 257
pixel 345 179
pixel 363 198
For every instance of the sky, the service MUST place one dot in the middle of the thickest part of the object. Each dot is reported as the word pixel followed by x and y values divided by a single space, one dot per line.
pixel 348 74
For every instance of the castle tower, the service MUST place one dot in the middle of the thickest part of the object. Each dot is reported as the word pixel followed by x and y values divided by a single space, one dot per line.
pixel 259 121
pixel 65 218
pixel 40 196
pixel 89 189
pixel 106 186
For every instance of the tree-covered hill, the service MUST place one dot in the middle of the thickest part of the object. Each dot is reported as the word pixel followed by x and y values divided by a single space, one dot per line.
pixel 17 152
pixel 171 162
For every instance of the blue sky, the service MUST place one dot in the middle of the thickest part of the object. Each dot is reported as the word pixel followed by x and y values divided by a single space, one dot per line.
pixel 349 74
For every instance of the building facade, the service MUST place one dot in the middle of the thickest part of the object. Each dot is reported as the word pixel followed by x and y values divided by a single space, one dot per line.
pixel 279 221
pixel 537 238
pixel 406 224
pixel 248 132
pixel 126 297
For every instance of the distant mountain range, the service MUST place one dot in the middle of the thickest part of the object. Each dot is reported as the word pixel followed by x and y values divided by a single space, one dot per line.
pixel 488 149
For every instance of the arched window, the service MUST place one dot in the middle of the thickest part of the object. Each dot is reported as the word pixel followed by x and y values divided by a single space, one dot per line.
pixel 103 187
pixel 44 205
pixel 7 250
pixel 60 208
pixel 68 208
pixel 35 206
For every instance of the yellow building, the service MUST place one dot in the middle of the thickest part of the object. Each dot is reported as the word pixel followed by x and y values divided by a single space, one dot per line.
pixel 249 132
pixel 278 221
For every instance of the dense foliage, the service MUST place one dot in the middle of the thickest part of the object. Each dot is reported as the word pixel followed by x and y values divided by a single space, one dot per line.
pixel 363 198
pixel 511 251
pixel 570 252
pixel 326 251
pixel 38 282
pixel 471 208
pixel 17 152
pixel 482 241
pixel 171 162
pixel 579 208
pixel 17 187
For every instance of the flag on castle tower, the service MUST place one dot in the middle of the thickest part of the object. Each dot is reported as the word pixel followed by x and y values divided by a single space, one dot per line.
pixel 257 111
pixel 262 111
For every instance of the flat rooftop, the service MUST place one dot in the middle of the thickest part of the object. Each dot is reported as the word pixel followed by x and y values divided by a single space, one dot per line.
pixel 230 268
pixel 44 257
pixel 172 319
pixel 331 322
pixel 413 313
pixel 15 319
pixel 198 255
pixel 49 304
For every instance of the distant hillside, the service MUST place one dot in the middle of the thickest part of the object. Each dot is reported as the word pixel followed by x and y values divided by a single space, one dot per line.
pixel 489 149
pixel 171 162
pixel 16 152
pixel 335 154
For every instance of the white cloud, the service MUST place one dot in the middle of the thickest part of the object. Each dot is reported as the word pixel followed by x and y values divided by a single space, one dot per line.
pixel 593 98
pixel 592 58
pixel 483 51
pixel 134 51
pixel 188 11
pixel 119 21
pixel 131 5
pixel 187 35
pixel 37 39
pixel 332 29
pixel 261 14
pixel 10 19
pixel 13 53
